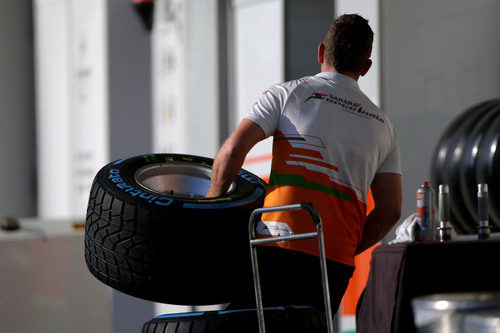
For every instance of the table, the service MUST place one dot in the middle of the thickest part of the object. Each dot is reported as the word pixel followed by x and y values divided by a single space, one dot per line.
pixel 401 272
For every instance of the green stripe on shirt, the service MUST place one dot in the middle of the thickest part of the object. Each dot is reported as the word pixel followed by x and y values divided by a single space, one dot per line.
pixel 295 138
pixel 300 181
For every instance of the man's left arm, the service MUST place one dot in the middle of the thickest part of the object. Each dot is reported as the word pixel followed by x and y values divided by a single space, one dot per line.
pixel 231 156
pixel 387 195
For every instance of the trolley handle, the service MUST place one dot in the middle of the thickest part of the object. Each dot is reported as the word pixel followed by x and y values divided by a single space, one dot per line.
pixel 301 206
pixel 321 245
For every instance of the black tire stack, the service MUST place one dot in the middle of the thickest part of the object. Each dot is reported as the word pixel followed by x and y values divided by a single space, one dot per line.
pixel 177 249
pixel 467 155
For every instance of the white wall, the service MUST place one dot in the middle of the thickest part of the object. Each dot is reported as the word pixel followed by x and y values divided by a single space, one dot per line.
pixel 72 105
pixel 185 77
pixel 438 58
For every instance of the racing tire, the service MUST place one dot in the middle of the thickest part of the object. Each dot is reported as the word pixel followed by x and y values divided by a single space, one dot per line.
pixel 278 320
pixel 450 159
pixel 151 233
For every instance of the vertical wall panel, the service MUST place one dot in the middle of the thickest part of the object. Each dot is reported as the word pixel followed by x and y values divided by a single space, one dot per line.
pixel 186 77
pixel 129 80
pixel 168 77
pixel 89 97
pixel 17 114
pixel 52 104
pixel 72 113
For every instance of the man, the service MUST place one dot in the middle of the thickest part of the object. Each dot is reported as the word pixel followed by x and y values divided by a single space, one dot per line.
pixel 331 144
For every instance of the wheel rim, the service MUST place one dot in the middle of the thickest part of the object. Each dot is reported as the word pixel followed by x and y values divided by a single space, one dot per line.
pixel 177 179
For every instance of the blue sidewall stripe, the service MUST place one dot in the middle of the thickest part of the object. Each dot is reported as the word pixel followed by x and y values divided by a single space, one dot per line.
pixel 196 314
pixel 277 308
pixel 126 158
pixel 178 315
pixel 235 311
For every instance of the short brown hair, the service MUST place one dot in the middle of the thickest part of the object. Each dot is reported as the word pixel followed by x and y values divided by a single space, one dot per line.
pixel 348 43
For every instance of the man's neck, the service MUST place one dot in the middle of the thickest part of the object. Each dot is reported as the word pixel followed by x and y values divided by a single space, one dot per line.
pixel 326 68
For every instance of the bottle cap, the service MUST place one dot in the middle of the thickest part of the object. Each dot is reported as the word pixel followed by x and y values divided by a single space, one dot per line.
pixel 482 187
pixel 427 184
pixel 444 189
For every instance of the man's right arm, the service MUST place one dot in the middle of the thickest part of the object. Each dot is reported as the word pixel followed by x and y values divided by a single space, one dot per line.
pixel 230 157
pixel 387 195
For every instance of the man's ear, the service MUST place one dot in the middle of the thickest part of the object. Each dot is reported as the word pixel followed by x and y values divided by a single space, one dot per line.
pixel 366 67
pixel 321 53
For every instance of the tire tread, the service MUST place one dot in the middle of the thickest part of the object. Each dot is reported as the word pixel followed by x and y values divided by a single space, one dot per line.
pixel 116 255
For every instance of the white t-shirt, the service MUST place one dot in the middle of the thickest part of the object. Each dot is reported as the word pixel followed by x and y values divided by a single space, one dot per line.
pixel 329 142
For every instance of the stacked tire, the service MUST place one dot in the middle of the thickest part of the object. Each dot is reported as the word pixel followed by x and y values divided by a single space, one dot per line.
pixel 278 320
pixel 467 155
pixel 151 233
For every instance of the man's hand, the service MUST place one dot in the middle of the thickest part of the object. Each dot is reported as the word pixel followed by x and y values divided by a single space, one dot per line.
pixel 387 194
pixel 230 157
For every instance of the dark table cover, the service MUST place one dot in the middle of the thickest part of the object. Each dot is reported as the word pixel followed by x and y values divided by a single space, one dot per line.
pixel 401 272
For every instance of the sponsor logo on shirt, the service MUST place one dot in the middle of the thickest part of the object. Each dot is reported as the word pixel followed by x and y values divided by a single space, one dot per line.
pixel 273 228
pixel 316 96
pixel 346 105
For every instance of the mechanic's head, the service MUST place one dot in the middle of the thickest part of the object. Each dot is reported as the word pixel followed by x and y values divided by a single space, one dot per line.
pixel 348 45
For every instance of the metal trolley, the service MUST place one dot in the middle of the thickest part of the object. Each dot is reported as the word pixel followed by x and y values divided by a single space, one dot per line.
pixel 253 252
